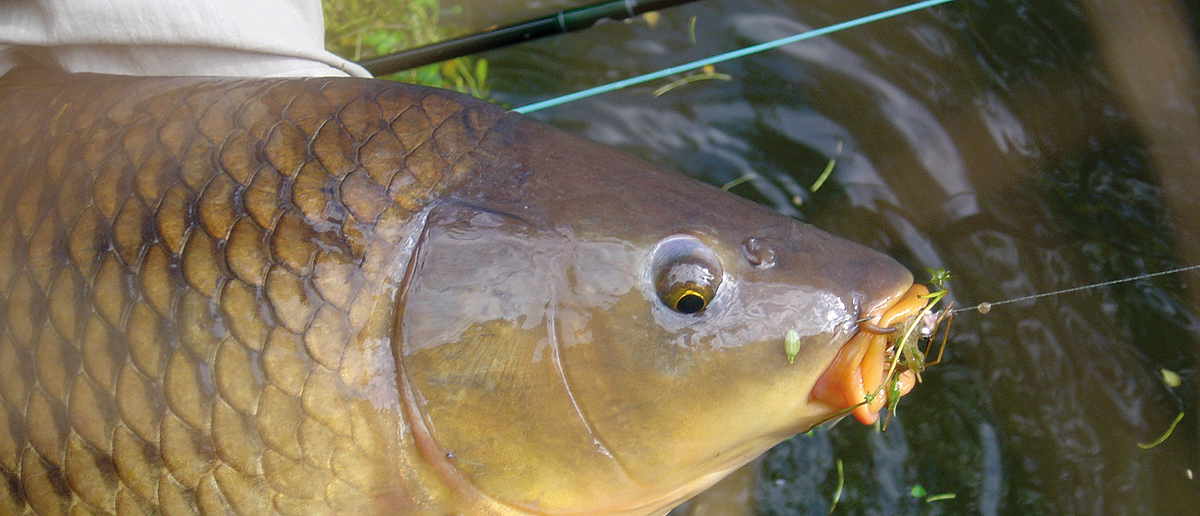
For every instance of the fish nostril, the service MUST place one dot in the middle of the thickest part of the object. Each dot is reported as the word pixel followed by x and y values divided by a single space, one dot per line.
pixel 758 253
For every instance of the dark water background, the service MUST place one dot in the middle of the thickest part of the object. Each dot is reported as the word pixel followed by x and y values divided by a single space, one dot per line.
pixel 987 137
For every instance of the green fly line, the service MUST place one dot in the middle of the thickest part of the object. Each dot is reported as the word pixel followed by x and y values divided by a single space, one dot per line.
pixel 720 58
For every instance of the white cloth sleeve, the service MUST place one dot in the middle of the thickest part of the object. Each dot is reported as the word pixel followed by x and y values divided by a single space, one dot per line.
pixel 171 37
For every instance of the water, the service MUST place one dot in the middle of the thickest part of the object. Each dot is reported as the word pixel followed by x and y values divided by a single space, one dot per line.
pixel 996 139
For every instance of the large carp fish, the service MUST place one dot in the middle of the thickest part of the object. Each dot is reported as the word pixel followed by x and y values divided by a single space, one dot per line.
pixel 347 296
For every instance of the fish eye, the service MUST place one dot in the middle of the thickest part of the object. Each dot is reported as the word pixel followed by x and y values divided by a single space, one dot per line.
pixel 687 300
pixel 686 274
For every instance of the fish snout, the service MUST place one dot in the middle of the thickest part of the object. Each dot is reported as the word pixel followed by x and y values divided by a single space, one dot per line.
pixel 879 301
pixel 812 279
pixel 866 374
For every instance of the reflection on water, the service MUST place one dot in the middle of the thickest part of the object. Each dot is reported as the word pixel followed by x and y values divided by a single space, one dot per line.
pixel 989 138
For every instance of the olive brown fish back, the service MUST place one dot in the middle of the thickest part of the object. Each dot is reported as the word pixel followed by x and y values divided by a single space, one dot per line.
pixel 194 307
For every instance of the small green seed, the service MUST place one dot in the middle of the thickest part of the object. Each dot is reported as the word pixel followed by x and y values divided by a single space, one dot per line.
pixel 1171 378
pixel 791 345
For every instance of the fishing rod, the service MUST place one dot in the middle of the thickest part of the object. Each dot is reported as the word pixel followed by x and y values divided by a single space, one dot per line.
pixel 561 22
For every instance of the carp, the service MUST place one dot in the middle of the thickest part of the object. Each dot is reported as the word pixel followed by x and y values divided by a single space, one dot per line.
pixel 348 296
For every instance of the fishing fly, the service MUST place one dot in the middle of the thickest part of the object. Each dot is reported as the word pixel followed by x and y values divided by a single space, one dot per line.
pixel 905 354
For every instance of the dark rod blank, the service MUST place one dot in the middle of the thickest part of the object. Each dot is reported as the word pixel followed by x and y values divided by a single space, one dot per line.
pixel 558 23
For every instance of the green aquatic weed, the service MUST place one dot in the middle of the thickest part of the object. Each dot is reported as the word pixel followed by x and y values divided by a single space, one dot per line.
pixel 739 181
pixel 824 175
pixel 708 73
pixel 939 277
pixel 919 491
pixel 837 493
pixel 1164 436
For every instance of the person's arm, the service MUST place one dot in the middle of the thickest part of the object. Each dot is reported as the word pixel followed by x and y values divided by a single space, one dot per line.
pixel 171 37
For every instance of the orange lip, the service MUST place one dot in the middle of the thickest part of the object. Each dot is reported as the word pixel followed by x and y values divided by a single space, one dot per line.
pixel 859 368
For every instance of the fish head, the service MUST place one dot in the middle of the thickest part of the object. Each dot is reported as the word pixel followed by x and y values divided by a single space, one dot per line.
pixel 582 332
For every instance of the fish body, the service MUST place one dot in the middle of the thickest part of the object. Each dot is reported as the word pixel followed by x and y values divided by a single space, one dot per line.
pixel 345 296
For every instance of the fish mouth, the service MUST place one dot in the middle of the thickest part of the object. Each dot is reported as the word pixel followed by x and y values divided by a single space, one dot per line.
pixel 855 380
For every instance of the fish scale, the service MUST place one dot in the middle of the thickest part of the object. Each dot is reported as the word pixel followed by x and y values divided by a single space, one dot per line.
pixel 142 221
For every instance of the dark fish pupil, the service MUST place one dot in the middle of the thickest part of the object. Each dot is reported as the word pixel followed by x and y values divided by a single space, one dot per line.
pixel 690 303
